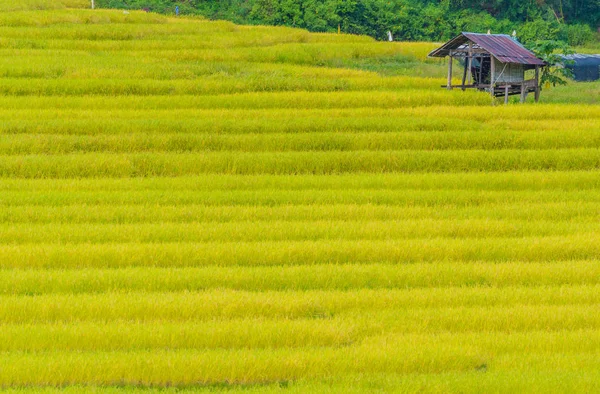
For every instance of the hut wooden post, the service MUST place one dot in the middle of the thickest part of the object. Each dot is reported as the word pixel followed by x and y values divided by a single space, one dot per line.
pixel 537 83
pixel 464 78
pixel 470 55
pixel 492 75
pixel 449 86
pixel 506 95
pixel 523 92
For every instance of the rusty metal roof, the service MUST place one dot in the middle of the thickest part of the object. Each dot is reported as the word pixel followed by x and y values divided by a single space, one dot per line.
pixel 503 47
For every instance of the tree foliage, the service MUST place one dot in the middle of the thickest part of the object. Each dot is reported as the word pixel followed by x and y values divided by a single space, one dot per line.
pixel 551 52
pixel 432 20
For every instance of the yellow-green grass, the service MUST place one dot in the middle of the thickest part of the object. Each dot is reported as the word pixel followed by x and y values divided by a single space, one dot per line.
pixel 155 200
pixel 291 163
pixel 572 210
pixel 301 277
pixel 573 305
pixel 10 5
pixel 284 231
pixel 448 382
pixel 239 367
pixel 191 205
pixel 29 143
pixel 553 182
pixel 275 253
pixel 588 92
pixel 258 333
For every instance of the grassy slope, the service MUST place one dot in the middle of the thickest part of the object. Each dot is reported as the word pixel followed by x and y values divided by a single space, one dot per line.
pixel 218 207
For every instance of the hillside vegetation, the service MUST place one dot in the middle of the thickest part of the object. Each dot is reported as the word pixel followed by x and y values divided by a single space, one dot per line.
pixel 189 205
pixel 573 21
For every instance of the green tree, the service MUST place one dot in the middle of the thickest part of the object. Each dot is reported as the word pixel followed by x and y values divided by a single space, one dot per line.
pixel 321 15
pixel 265 12
pixel 538 30
pixel 551 52
pixel 571 20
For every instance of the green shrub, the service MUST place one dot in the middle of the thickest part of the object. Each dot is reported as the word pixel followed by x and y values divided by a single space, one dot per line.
pixel 578 34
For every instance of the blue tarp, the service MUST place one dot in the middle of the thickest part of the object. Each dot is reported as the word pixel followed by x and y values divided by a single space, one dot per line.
pixel 584 67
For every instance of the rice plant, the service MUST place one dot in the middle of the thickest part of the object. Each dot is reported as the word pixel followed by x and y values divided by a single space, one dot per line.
pixel 191 205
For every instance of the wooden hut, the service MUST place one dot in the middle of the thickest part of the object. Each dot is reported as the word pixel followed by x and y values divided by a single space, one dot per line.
pixel 492 62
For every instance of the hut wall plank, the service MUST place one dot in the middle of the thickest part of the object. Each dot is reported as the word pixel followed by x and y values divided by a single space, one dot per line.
pixel 508 72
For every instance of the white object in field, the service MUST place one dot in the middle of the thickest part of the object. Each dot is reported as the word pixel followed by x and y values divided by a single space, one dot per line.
pixel 125 12
pixel 93 4
pixel 390 38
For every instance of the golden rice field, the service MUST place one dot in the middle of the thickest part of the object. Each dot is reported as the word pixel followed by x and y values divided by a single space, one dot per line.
pixel 191 206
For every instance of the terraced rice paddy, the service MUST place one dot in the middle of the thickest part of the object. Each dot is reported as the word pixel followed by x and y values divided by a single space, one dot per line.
pixel 189 205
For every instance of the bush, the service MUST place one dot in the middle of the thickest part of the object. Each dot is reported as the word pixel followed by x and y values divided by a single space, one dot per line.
pixel 578 34
pixel 538 30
